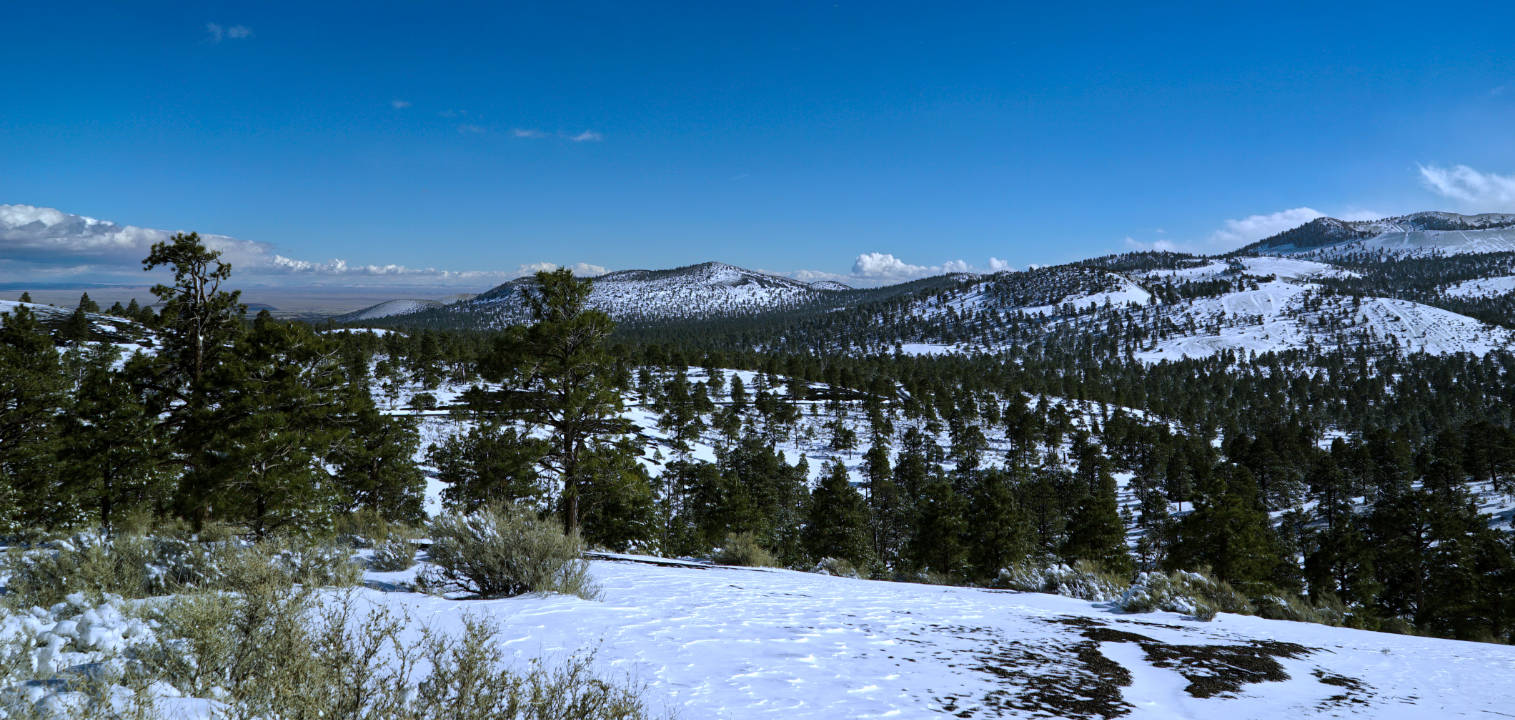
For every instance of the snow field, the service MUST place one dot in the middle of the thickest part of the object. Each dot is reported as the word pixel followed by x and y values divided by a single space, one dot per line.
pixel 718 642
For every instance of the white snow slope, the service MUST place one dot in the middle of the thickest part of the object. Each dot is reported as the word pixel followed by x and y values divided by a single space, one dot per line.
pixel 719 642
pixel 389 308
pixel 1483 287
pixel 1276 317
pixel 705 290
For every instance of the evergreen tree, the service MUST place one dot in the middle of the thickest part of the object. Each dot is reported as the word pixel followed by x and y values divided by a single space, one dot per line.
pixel 836 521
pixel 490 463
pixel 620 511
pixel 32 396
pixel 115 446
pixel 75 330
pixel 1095 531
pixel 374 466
pixel 88 305
pixel 940 526
pixel 1000 536
pixel 568 382
pixel 1229 533
pixel 198 324
pixel 275 423
pixel 887 506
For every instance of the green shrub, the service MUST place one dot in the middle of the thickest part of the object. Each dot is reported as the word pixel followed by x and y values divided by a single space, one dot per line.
pixel 743 549
pixel 135 566
pixel 248 646
pixel 1082 579
pixel 394 553
pixel 313 564
pixel 838 567
pixel 92 564
pixel 259 652
pixel 1189 593
pixel 466 684
pixel 503 551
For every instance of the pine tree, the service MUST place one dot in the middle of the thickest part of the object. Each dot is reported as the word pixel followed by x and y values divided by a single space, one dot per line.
pixel 115 446
pixel 198 324
pixel 26 297
pixel 1229 532
pixel 32 396
pixel 1000 536
pixel 88 305
pixel 940 525
pixel 75 330
pixel 836 520
pixel 374 466
pixel 621 509
pixel 1095 531
pixel 490 463
pixel 568 380
pixel 275 423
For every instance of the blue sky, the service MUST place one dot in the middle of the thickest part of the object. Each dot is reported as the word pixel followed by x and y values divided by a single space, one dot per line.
pixel 869 141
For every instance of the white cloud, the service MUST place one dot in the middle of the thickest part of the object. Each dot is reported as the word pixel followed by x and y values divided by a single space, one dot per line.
pixel 579 269
pixel 1158 245
pixel 811 276
pixel 1236 233
pixel 468 129
pixel 216 33
pixel 885 266
pixel 876 268
pixel 1473 190
pixel 399 104
pixel 587 136
pixel 1359 214
pixel 39 242
pixel 527 133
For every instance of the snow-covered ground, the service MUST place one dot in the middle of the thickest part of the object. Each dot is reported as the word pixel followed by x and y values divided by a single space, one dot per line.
pixel 390 308
pixel 1275 317
pixel 1127 293
pixel 718 642
pixel 1483 287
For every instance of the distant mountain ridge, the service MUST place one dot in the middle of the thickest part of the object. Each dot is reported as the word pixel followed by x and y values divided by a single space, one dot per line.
pixel 1416 234
pixel 1326 284
pixel 388 308
pixel 703 290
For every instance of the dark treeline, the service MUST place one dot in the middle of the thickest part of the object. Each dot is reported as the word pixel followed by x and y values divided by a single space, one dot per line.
pixel 230 419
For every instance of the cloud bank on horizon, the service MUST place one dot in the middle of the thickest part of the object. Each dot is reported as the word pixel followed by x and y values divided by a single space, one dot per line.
pixel 49 245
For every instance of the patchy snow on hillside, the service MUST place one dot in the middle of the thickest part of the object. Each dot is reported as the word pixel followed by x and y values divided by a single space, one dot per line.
pixel 1482 287
pixel 1292 268
pixel 1127 293
pixel 1419 243
pixel 1276 317
pixel 710 289
pixel 389 308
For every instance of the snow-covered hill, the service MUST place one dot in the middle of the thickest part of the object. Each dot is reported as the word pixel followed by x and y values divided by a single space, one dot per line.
pixel 1416 235
pixel 1280 315
pixel 1194 307
pixel 1483 287
pixel 388 308
pixel 706 290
